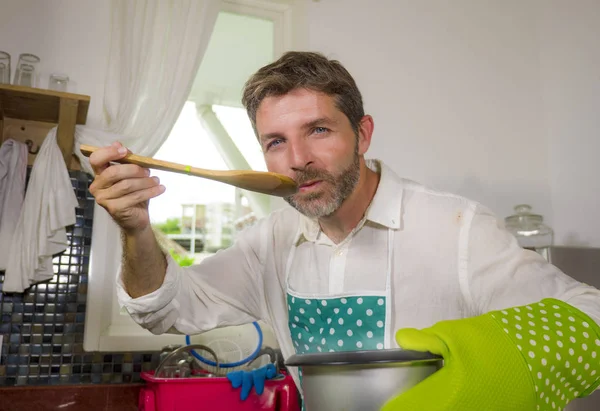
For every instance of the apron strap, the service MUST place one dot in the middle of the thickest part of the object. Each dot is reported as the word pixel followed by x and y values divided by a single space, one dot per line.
pixel 290 259
pixel 388 291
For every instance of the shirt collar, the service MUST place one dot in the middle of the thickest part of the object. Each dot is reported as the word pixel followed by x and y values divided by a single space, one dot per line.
pixel 385 208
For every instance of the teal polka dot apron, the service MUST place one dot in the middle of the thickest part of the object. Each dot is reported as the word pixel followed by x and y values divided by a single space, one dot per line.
pixel 337 323
pixel 343 322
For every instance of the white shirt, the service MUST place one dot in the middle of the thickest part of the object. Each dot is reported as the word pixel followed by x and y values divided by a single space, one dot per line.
pixel 451 259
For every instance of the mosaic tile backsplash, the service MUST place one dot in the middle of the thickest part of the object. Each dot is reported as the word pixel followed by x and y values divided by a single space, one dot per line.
pixel 42 328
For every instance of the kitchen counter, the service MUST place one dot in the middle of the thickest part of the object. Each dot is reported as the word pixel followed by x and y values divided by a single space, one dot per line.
pixel 89 397
pixel 583 264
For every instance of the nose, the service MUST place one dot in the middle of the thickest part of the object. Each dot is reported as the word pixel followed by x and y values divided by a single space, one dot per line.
pixel 300 154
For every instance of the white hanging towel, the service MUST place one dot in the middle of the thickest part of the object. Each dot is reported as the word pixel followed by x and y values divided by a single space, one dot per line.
pixel 49 207
pixel 13 174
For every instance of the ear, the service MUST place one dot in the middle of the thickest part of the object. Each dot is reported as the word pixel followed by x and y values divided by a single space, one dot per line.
pixel 365 132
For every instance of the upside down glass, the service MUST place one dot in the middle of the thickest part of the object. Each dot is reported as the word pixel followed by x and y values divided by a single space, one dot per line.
pixel 58 82
pixel 4 68
pixel 25 73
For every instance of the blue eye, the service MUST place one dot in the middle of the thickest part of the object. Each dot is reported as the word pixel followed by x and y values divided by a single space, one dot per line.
pixel 274 143
pixel 320 130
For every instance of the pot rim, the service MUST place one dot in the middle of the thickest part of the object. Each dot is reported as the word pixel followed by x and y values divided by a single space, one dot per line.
pixel 361 357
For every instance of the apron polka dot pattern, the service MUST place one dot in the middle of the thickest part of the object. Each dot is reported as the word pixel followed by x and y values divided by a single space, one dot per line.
pixel 337 324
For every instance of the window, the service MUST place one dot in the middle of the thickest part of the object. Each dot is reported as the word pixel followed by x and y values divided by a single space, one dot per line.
pixel 194 214
pixel 199 215
pixel 196 217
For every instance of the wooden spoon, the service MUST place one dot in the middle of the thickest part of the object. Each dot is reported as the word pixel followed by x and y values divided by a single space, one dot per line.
pixel 260 181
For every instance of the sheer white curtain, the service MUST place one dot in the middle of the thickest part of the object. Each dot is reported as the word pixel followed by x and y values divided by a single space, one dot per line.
pixel 156 47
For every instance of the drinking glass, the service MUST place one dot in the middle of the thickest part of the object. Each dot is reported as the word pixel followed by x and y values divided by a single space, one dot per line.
pixel 58 82
pixel 25 74
pixel 4 67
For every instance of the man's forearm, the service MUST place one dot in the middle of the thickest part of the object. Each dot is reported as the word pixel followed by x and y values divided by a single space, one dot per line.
pixel 144 264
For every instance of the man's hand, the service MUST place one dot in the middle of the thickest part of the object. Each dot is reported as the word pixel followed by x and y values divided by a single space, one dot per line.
pixel 123 189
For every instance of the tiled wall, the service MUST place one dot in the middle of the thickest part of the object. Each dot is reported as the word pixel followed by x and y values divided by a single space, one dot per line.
pixel 43 327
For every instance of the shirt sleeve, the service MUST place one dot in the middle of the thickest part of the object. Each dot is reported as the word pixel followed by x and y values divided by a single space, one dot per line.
pixel 497 273
pixel 225 289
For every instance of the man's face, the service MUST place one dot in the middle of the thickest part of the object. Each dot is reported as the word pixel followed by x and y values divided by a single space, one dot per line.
pixel 305 136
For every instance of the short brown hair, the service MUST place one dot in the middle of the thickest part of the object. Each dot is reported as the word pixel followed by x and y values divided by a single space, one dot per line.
pixel 309 70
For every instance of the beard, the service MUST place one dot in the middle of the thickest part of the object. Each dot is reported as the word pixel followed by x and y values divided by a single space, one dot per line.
pixel 334 190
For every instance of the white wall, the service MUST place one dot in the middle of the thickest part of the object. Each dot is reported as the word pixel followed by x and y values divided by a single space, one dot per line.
pixel 569 34
pixel 454 89
pixel 495 100
pixel 69 36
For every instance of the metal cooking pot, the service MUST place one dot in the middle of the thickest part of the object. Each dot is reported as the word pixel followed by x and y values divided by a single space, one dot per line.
pixel 360 380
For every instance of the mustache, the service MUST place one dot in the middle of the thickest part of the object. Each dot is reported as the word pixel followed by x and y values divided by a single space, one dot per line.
pixel 303 176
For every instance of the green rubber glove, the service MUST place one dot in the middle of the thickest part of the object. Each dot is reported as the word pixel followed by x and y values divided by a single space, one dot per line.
pixel 535 357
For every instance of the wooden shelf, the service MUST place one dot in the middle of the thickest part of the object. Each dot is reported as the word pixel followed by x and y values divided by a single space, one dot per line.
pixel 37 104
pixel 29 113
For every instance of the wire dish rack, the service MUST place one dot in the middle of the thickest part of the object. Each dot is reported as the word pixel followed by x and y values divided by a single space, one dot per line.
pixel 182 383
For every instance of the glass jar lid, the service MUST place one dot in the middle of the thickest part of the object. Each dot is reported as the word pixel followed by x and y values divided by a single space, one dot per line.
pixel 524 222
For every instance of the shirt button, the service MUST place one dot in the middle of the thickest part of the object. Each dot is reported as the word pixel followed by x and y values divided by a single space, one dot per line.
pixel 340 252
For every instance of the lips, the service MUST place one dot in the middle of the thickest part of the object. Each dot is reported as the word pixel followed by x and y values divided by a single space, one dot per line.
pixel 309 184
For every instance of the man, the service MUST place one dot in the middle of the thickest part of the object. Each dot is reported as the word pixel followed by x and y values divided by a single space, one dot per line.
pixel 361 255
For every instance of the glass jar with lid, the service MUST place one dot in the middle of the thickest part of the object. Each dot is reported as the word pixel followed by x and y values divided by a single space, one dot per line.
pixel 530 230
